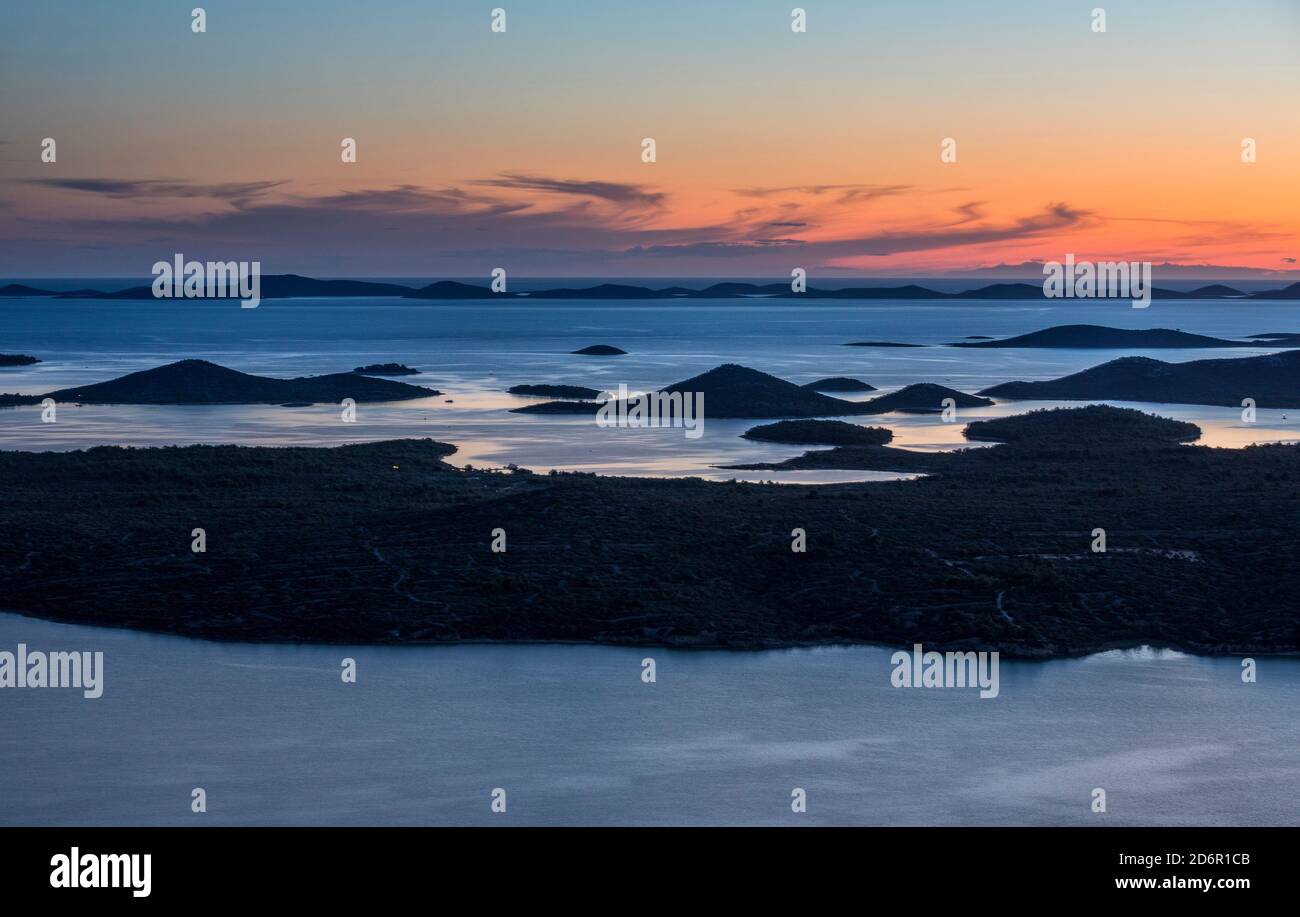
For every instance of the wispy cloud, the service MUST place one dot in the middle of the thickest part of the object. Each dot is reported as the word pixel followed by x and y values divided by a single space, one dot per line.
pixel 525 220
pixel 616 192
pixel 843 194
pixel 1054 217
pixel 142 189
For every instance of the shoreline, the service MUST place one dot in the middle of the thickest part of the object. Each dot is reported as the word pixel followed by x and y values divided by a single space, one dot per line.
pixel 1012 653
pixel 385 543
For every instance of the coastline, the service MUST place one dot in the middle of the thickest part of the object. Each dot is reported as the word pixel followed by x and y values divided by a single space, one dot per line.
pixel 1011 652
pixel 384 543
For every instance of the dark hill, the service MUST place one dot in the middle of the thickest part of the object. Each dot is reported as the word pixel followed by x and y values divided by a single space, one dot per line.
pixel 1291 292
pixel 839 384
pixel 273 286
pixel 1005 291
pixel 1083 425
pixel 386 369
pixel 18 289
pixel 128 293
pixel 1216 290
pixel 726 290
pixel 555 391
pixel 284 286
pixel 922 398
pixel 451 289
pixel 819 433
pixel 17 359
pixel 1100 336
pixel 732 390
pixel 559 407
pixel 1273 380
pixel 201 382
pixel 603 291
pixel 600 350
pixel 909 291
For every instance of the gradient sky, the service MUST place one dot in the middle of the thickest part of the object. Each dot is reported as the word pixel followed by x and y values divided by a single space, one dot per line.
pixel 522 150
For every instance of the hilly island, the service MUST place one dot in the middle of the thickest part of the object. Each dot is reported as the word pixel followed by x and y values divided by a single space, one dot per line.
pixel 283 286
pixel 989 548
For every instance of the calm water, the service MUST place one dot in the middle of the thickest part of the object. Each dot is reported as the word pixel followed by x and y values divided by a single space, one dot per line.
pixel 473 353
pixel 574 737
pixel 571 732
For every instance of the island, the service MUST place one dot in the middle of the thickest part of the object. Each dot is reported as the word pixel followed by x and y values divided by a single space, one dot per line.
pixel 922 398
pixel 1082 424
pixel 1102 337
pixel 386 369
pixel 601 350
pixel 739 392
pixel 839 384
pixel 451 289
pixel 990 549
pixel 279 286
pixel 17 359
pixel 1271 380
pixel 202 382
pixel 819 432
pixel 556 391
pixel 732 391
pixel 20 289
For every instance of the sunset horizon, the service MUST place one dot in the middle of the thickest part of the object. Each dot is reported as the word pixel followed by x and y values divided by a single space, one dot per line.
pixel 525 150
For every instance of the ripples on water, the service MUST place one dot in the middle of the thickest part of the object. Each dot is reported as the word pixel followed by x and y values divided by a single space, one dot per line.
pixel 575 737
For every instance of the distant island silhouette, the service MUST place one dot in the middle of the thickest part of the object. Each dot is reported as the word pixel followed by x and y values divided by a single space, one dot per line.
pixel 555 391
pixel 386 369
pixel 1272 380
pixel 739 392
pixel 285 286
pixel 1102 337
pixel 203 382
pixel 819 432
pixel 922 398
pixel 839 384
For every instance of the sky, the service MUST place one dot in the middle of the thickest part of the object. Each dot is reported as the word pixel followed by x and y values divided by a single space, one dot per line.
pixel 774 149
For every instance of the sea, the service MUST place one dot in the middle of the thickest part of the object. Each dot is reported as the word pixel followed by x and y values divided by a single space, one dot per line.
pixel 572 734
